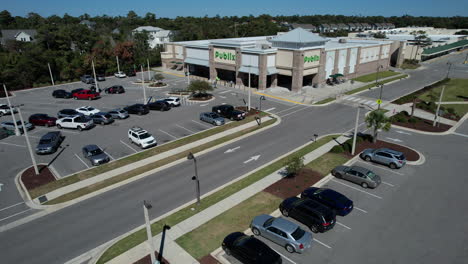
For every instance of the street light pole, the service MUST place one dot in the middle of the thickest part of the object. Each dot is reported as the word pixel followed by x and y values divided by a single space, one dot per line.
pixel 438 106
pixel 95 79
pixel 143 85
pixel 377 75
pixel 17 132
pixel 380 96
pixel 190 156
pixel 118 66
pixel 27 141
pixel 149 72
pixel 51 77
pixel 355 130
pixel 146 207
pixel 262 98
pixel 448 71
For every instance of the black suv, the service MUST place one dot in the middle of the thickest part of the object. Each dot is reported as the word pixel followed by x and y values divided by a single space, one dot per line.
pixel 116 89
pixel 316 216
pixel 49 143
pixel 130 72
pixel 249 250
pixel 61 94
pixel 139 109
pixel 68 113
pixel 159 105
pixel 228 111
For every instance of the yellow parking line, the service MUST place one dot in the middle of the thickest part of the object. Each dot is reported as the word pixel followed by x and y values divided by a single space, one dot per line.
pixel 175 74
pixel 280 98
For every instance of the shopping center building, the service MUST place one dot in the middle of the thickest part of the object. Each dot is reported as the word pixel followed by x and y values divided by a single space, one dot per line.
pixel 293 60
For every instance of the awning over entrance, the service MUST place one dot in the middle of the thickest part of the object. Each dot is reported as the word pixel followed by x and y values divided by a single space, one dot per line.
pixel 197 62
pixel 336 75
pixel 249 69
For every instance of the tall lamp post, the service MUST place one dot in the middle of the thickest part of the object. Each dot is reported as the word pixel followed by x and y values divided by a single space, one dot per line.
pixel 262 98
pixel 118 66
pixel 190 156
pixel 380 96
pixel 355 129
pixel 448 71
pixel 27 140
pixel 51 76
pixel 143 85
pixel 12 111
pixel 377 75
pixel 146 207
pixel 161 246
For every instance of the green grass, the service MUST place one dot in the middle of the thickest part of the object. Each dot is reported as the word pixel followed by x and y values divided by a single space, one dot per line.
pixel 460 109
pixel 409 66
pixel 138 237
pixel 371 77
pixel 325 163
pixel 133 158
pixel 324 101
pixel 373 84
pixel 454 88
pixel 235 219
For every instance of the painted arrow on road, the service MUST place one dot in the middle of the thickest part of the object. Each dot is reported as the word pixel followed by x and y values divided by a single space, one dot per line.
pixel 402 132
pixel 395 139
pixel 1 184
pixel 232 150
pixel 252 158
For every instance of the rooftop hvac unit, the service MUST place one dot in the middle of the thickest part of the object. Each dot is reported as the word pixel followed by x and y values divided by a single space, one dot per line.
pixel 265 46
pixel 342 40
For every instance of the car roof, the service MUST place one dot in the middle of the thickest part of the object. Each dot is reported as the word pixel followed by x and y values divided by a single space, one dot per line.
pixel 391 151
pixel 360 169
pixel 91 147
pixel 50 134
pixel 284 225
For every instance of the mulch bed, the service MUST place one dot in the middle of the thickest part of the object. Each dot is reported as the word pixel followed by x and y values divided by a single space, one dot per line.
pixel 423 125
pixel 410 154
pixel 208 259
pixel 288 187
pixel 147 260
pixel 31 180
pixel 252 112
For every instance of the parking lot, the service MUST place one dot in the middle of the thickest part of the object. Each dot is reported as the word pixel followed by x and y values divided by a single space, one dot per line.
pixel 164 126
pixel 361 225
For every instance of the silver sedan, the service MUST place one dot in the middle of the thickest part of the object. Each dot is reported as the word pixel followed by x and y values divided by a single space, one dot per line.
pixel 359 175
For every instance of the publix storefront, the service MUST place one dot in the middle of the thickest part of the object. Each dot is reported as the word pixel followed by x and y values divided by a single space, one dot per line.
pixel 292 60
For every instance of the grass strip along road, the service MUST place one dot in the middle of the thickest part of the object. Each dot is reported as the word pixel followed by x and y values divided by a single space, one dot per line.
pixel 372 77
pixel 138 237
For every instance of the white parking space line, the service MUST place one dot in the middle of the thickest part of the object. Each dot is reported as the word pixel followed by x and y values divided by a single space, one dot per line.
pixel 355 99
pixel 128 146
pixel 383 168
pixel 285 257
pixel 13 215
pixel 109 155
pixel 204 104
pixel 270 109
pixel 11 144
pixel 359 209
pixel 345 226
pixel 191 131
pixel 369 102
pixel 459 134
pixel 82 161
pixel 373 104
pixel 8 207
pixel 389 184
pixel 205 125
pixel 224 97
pixel 321 243
pixel 223 92
pixel 352 187
pixel 167 134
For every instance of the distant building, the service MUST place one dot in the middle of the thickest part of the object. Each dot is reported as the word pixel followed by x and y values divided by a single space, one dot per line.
pixel 24 35
pixel 89 24
pixel 308 27
pixel 157 36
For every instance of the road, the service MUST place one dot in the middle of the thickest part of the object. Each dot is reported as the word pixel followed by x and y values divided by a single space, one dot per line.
pixel 67 233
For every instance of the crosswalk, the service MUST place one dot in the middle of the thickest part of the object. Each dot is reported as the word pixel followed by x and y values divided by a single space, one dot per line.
pixel 356 100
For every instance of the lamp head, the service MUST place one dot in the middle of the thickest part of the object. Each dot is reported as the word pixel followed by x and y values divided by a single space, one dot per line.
pixel 190 156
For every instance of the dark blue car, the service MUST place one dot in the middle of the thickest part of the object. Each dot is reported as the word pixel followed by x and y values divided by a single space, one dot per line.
pixel 335 200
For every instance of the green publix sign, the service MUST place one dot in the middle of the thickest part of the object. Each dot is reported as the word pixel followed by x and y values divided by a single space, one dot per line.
pixel 225 56
pixel 311 58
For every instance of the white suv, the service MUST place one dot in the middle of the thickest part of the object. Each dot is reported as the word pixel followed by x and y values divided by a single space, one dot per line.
pixel 173 101
pixel 76 122
pixel 87 110
pixel 5 109
pixel 141 137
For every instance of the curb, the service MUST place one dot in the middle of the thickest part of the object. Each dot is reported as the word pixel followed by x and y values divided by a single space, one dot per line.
pixel 448 132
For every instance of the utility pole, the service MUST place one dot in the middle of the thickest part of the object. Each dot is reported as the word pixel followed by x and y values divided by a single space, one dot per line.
pixel 190 156
pixel 51 77
pixel 146 207
pixel 118 66
pixel 377 75
pixel 143 85
pixel 27 141
pixel 17 132
pixel 355 130
pixel 250 66
pixel 380 96
pixel 95 79
pixel 149 72
pixel 438 106
pixel 448 71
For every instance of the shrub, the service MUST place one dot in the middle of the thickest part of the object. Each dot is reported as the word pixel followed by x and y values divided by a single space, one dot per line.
pixel 412 120
pixel 359 139
pixel 404 113
pixel 294 165
pixel 451 110
pixel 337 149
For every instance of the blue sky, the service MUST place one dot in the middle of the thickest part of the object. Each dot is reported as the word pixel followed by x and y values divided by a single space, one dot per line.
pixel 171 9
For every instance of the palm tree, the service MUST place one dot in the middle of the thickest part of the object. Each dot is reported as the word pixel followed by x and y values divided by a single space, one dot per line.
pixel 377 120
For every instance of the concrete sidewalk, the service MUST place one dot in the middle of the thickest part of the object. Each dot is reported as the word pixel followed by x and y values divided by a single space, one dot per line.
pixel 417 112
pixel 173 252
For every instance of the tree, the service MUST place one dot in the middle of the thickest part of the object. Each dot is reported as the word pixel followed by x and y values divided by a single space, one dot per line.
pixel 294 165
pixel 158 77
pixel 377 120
pixel 380 35
pixel 201 87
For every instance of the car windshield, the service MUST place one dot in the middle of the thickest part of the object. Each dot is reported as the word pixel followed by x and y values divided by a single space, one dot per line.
pixel 45 141
pixel 241 240
pixel 90 108
pixel 214 115
pixel 401 157
pixel 95 152
pixel 145 135
pixel 122 111
pixel 81 119
pixel 298 233
pixel 371 175
pixel 268 222
pixel 107 116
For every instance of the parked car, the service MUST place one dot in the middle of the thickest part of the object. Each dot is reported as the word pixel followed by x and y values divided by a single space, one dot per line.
pixel 86 95
pixel 5 110
pixel 87 110
pixel 118 113
pixel 116 89
pixel 283 232
pixel 359 175
pixel 130 72
pixel 212 118
pixel 75 122
pixel 87 79
pixel 4 133
pixel 393 159
pixel 228 111
pixel 249 250
pixel 333 199
pixel 68 113
pixel 61 94
pixel 159 105
pixel 42 120
pixel 10 125
pixel 141 137
pixel 314 215
pixel 173 100
pixel 76 91
pixel 120 74
pixel 49 143
pixel 95 155
pixel 100 77
pixel 102 118
pixel 139 109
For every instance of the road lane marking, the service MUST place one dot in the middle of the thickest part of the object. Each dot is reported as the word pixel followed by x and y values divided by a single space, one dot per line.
pixel 128 146
pixel 285 257
pixel 13 215
pixel 459 134
pixel 204 104
pixel 11 144
pixel 288 109
pixel 359 209
pixel 191 131
pixel 352 187
pixel 347 227
pixel 224 97
pixel 8 207
pixel 82 161
pixel 223 92
pixel 167 134
pixel 270 109
pixel 109 155
pixel 205 125
pixel 389 184
pixel 294 111
pixel 279 98
pixel 321 243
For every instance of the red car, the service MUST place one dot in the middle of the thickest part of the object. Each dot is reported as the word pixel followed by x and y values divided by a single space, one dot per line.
pixel 42 120
pixel 86 95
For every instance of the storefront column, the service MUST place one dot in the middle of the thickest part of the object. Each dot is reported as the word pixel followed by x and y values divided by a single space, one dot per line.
pixel 358 62
pixel 213 73
pixel 337 59
pixel 262 71
pixel 297 70
pixel 320 76
pixel 346 68
pixel 238 65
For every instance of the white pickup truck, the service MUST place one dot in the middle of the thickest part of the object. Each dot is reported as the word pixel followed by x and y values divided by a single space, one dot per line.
pixel 75 122
pixel 5 110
